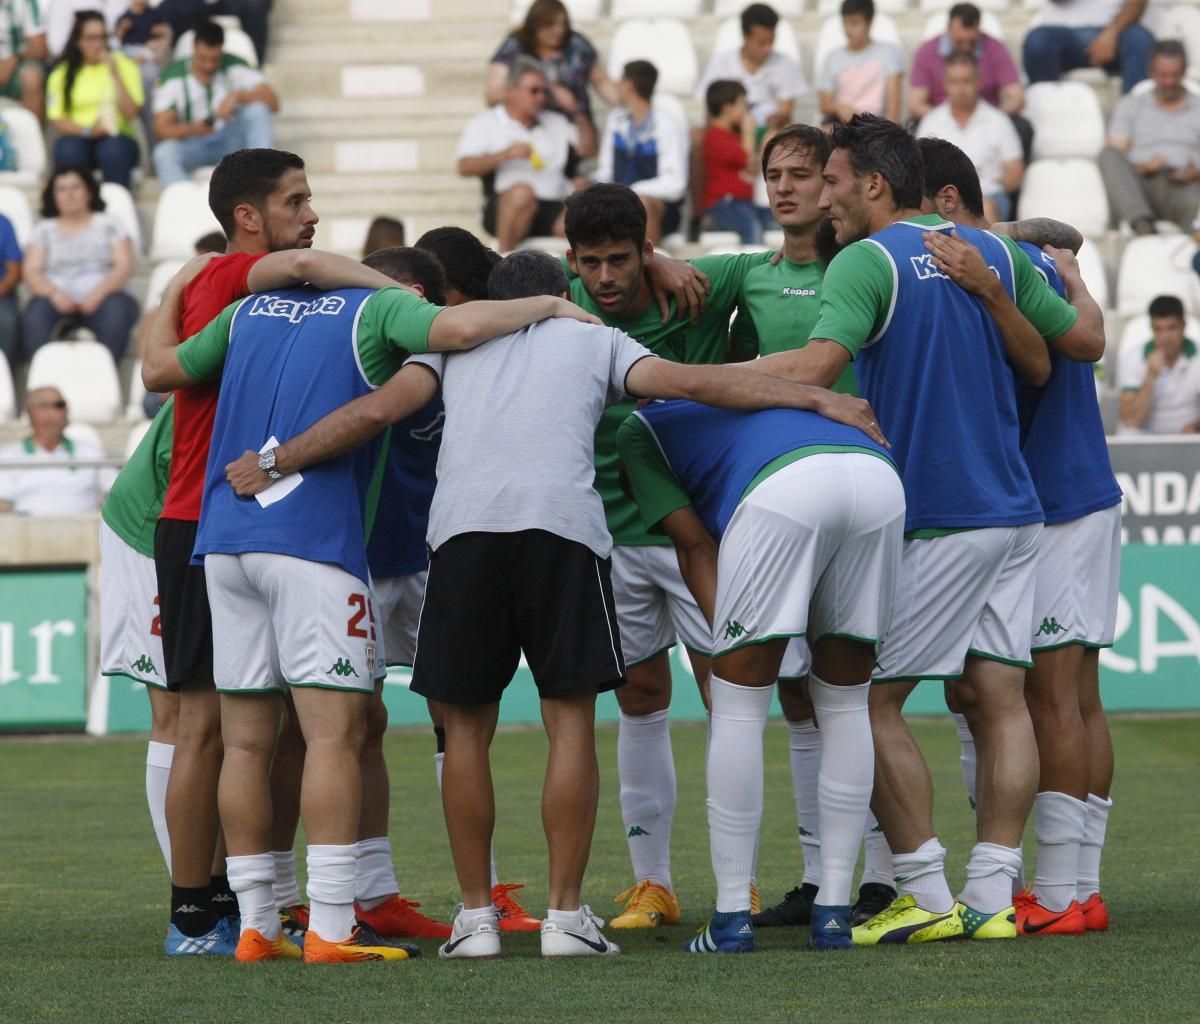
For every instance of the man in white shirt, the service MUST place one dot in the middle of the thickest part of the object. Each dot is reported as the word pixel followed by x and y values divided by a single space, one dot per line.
pixel 1104 34
pixel 523 152
pixel 1160 381
pixel 981 131
pixel 44 489
pixel 209 106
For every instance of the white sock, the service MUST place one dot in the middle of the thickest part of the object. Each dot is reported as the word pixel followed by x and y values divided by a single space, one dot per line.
pixel 438 758
pixel 966 755
pixel 158 770
pixel 286 888
pixel 735 787
pixel 877 863
pixel 331 891
pixel 374 873
pixel 922 875
pixel 1059 823
pixel 251 878
pixel 470 917
pixel 646 769
pixel 804 746
pixel 844 783
pixel 566 918
pixel 990 873
pixel 1090 850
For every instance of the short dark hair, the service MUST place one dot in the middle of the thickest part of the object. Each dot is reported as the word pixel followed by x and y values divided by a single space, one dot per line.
pixel 383 233
pixel 643 76
pixel 946 164
pixel 50 207
pixel 866 8
pixel 1173 49
pixel 466 261
pixel 968 15
pixel 208 33
pixel 525 273
pixel 759 16
pixel 247 176
pixel 877 146
pixel 605 212
pixel 1164 306
pixel 721 93
pixel 409 265
pixel 214 241
pixel 957 58
pixel 799 137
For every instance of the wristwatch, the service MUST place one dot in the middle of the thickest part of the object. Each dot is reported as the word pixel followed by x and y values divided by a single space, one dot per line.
pixel 266 462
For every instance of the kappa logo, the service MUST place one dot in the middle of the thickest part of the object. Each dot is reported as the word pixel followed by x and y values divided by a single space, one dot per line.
pixel 801 293
pixel 431 431
pixel 925 269
pixel 342 667
pixel 1050 627
pixel 734 629
pixel 803 831
pixel 144 664
pixel 296 310
pixel 636 830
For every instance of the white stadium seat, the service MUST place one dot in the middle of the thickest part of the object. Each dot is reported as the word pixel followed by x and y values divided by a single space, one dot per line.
pixel 1154 265
pixel 945 5
pixel 118 203
pixel 1091 269
pixel 181 218
pixel 135 436
pixel 623 9
pixel 8 397
pixel 26 136
pixel 134 410
pixel 157 284
pixel 237 44
pixel 15 207
pixel 881 6
pixel 729 37
pixel 935 25
pixel 84 372
pixel 665 42
pixel 785 8
pixel 1181 22
pixel 1067 120
pixel 1069 190
pixel 831 36
pixel 549 244
pixel 579 10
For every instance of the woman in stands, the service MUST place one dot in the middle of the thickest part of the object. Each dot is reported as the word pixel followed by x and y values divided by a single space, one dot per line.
pixel 568 61
pixel 93 98
pixel 77 264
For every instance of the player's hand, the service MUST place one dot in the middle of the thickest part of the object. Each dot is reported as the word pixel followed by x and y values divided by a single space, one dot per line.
pixel 676 279
pixel 564 99
pixel 568 310
pixel 961 262
pixel 245 476
pixel 855 412
pixel 1102 50
pixel 184 276
pixel 1064 260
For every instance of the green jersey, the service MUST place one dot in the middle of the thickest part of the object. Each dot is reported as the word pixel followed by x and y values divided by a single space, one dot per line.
pixel 135 500
pixel 681 341
pixel 777 310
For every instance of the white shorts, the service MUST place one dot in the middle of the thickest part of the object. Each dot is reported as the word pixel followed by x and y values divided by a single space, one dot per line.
pixel 398 600
pixel 813 550
pixel 964 593
pixel 1078 573
pixel 281 620
pixel 130 636
pixel 797 659
pixel 654 604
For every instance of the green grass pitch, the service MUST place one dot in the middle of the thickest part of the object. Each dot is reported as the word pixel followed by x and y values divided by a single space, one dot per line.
pixel 83 898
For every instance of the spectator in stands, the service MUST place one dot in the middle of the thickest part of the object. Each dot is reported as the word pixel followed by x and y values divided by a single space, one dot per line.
pixel 773 82
pixel 23 54
pixel 92 98
pixel 522 152
pixel 645 146
pixel 208 106
pixel 383 233
pixel 864 75
pixel 729 150
pixel 253 14
pixel 1088 33
pixel 145 38
pixel 77 264
pixel 466 260
pixel 999 79
pixel 981 131
pixel 568 61
pixel 39 491
pixel 1151 165
pixel 10 315
pixel 1160 381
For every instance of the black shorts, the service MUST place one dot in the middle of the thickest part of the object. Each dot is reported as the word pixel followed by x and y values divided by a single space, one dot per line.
pixel 183 607
pixel 548 212
pixel 490 596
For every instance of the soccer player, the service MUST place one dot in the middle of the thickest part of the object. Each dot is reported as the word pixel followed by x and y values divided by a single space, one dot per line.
pixel 785 524
pixel 130 638
pixel 973 517
pixel 520 562
pixel 1075 604
pixel 285 359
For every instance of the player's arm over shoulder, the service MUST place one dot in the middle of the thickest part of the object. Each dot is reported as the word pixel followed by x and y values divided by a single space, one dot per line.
pixel 1076 327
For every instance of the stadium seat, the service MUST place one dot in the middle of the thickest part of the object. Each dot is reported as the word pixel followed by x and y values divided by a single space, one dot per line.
pixel 1069 190
pixel 831 36
pixel 882 6
pixel 623 9
pixel 785 8
pixel 237 44
pixel 181 218
pixel 664 41
pixel 134 410
pixel 26 136
pixel 579 10
pixel 1095 276
pixel 8 397
pixel 84 372
pixel 135 436
pixel 118 203
pixel 729 37
pixel 1153 265
pixel 945 5
pixel 157 283
pixel 548 244
pixel 1067 120
pixel 15 207
pixel 1182 22
pixel 935 25
pixel 720 241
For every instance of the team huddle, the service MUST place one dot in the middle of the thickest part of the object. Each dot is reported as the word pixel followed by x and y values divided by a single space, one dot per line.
pixel 442 459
